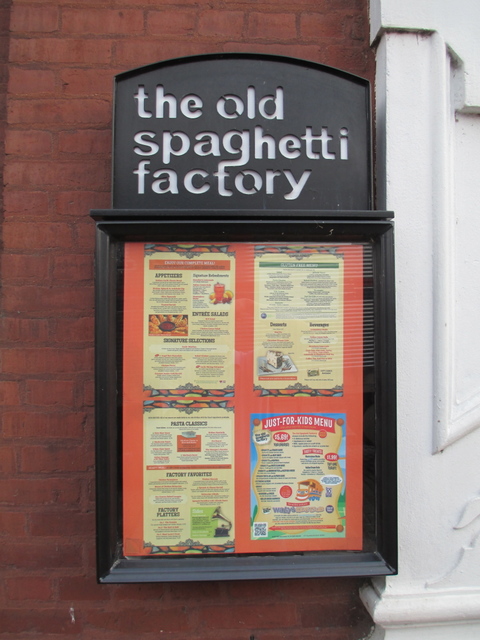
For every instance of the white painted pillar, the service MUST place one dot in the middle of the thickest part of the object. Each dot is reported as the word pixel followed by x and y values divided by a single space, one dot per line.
pixel 428 138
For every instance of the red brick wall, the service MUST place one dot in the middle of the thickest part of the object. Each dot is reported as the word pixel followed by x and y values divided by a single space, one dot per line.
pixel 63 55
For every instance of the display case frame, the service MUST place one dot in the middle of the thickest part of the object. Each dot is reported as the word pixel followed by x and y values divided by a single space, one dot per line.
pixel 116 227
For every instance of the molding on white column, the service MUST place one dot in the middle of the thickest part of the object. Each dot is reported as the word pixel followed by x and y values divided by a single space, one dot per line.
pixel 457 22
pixel 427 148
pixel 456 410
pixel 423 611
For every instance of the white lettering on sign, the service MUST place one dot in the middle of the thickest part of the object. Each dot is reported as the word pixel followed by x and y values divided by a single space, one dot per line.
pixel 166 104
pixel 235 148
pixel 246 182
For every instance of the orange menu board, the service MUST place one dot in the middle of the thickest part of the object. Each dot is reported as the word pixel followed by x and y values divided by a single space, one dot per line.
pixel 242 398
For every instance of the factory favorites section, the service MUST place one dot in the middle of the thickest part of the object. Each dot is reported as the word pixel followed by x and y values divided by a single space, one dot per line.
pixel 242 397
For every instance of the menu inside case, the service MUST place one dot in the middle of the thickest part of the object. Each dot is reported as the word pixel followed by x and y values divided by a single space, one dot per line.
pixel 242 397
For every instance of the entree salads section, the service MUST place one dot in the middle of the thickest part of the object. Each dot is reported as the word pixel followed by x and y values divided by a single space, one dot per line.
pixel 242 397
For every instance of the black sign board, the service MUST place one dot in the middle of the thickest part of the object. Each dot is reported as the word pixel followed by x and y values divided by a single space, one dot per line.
pixel 239 131
pixel 243 223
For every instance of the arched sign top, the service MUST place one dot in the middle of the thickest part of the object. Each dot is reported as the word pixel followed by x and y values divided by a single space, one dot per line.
pixel 241 131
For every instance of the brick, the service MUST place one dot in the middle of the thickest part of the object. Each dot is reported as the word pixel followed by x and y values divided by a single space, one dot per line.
pixel 314 26
pixel 335 633
pixel 30 82
pixel 183 591
pixel 21 267
pixel 73 268
pixel 69 50
pixel 171 23
pixel 90 562
pixel 359 28
pixel 7 460
pixel 45 425
pixel 24 330
pixel 38 621
pixel 235 635
pixel 328 613
pixel 12 524
pixel 58 393
pixel 55 111
pixel 55 202
pixel 28 143
pixel 4 45
pixel 66 175
pixel 28 588
pixel 156 4
pixel 88 394
pixel 53 459
pixel 272 26
pixel 4 19
pixel 102 21
pixel 85 236
pixel 91 493
pixel 79 203
pixel 46 360
pixel 64 524
pixel 315 588
pixel 48 300
pixel 128 53
pixel 77 588
pixel 19 236
pixel 89 82
pixel 252 590
pixel 32 19
pixel 40 555
pixel 78 330
pixel 9 393
pixel 86 2
pixel 307 52
pixel 258 616
pixel 135 621
pixel 355 60
pixel 223 24
pixel 85 141
pixel 43 491
pixel 25 202
pixel 142 592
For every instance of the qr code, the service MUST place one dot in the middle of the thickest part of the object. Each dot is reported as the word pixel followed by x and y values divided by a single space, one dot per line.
pixel 260 529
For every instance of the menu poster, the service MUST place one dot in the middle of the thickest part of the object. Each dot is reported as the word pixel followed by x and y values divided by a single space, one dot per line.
pixel 242 398
pixel 299 319
pixel 298 475
pixel 188 482
pixel 188 304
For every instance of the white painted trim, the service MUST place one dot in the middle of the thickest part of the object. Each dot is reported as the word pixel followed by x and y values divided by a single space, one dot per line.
pixel 421 608
pixel 420 86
